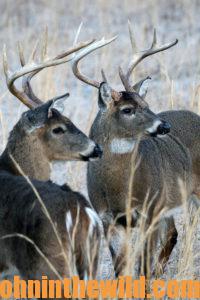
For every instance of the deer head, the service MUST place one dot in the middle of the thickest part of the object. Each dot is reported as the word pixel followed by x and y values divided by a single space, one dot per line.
pixel 126 113
pixel 59 137
pixel 44 132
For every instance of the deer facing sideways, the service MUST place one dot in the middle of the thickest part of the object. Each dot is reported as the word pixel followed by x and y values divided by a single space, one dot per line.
pixel 38 217
pixel 164 157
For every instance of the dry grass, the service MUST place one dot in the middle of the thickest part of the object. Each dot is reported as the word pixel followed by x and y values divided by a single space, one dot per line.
pixel 174 84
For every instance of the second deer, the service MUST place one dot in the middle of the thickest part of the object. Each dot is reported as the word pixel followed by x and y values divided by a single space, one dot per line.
pixel 167 153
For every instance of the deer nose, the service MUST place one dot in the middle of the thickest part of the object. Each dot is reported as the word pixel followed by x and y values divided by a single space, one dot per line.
pixel 97 152
pixel 94 152
pixel 164 128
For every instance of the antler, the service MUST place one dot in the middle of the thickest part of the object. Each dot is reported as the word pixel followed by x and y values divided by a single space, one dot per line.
pixel 139 56
pixel 95 45
pixel 30 69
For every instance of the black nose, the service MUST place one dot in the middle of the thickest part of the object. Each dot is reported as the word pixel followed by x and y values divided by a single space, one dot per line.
pixel 97 152
pixel 164 128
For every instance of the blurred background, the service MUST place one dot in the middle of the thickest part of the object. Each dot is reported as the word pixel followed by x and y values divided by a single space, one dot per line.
pixel 175 72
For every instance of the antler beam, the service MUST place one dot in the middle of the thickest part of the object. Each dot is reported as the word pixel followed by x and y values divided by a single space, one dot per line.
pixel 139 56
pixel 30 69
pixel 94 46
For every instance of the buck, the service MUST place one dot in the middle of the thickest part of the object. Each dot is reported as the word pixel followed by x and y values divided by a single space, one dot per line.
pixel 44 227
pixel 167 153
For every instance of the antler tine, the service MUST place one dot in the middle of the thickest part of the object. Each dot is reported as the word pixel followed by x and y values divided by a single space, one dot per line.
pixel 77 33
pixel 132 38
pixel 94 46
pixel 44 44
pixel 139 56
pixel 9 80
pixel 103 75
pixel 33 53
pixel 31 69
pixel 27 89
pixel 5 62
pixel 21 54
pixel 26 79
pixel 154 49
pixel 154 42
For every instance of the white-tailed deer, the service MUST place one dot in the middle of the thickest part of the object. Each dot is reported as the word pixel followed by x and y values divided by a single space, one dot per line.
pixel 44 227
pixel 164 156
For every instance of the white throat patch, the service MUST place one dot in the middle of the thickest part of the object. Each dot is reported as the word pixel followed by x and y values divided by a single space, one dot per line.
pixel 122 146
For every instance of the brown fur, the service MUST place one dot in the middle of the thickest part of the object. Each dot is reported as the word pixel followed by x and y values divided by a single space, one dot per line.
pixel 163 162
pixel 33 147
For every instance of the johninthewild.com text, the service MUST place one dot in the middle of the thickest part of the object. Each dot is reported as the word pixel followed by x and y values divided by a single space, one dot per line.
pixel 123 287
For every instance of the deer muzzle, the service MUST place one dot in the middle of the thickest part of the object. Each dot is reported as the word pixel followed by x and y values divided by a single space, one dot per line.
pixel 159 127
pixel 163 128
pixel 95 153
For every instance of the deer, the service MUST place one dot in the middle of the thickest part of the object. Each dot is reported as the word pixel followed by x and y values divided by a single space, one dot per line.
pixel 166 149
pixel 45 227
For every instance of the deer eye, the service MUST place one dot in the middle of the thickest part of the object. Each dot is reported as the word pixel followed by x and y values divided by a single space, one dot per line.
pixel 58 130
pixel 127 111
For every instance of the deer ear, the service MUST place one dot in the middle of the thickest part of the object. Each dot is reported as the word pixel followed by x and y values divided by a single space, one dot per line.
pixel 141 87
pixel 105 95
pixel 58 105
pixel 31 121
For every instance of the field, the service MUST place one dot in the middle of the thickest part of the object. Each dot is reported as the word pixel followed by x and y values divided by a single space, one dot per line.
pixel 174 85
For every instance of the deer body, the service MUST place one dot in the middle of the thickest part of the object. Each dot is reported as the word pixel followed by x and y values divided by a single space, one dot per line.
pixel 22 212
pixel 45 229
pixel 189 135
pixel 162 166
pixel 162 161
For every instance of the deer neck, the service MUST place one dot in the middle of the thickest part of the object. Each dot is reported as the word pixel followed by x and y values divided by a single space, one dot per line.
pixel 113 145
pixel 28 153
pixel 121 145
